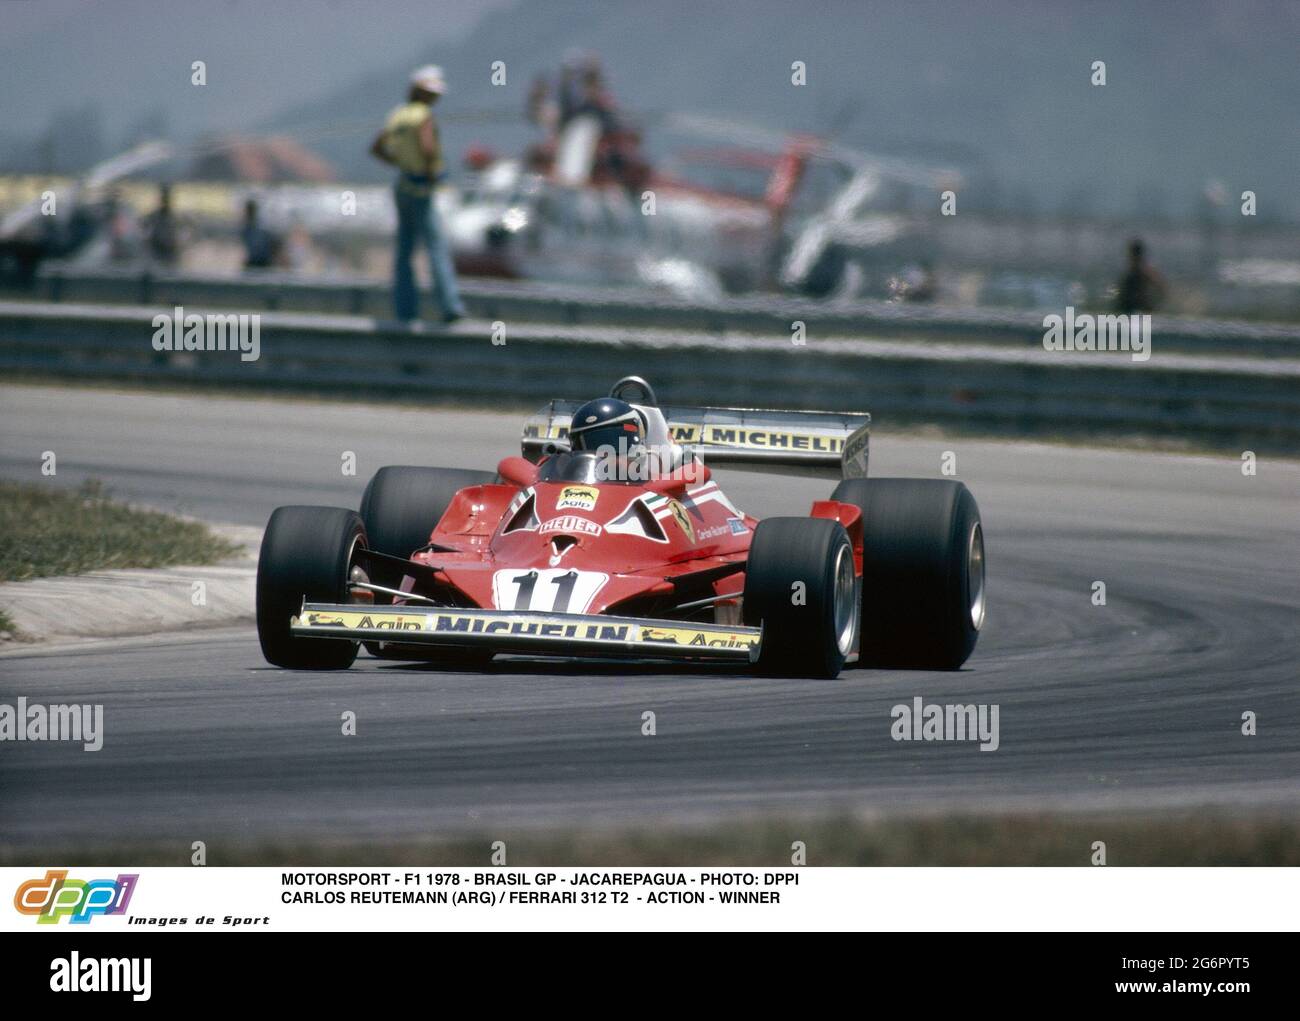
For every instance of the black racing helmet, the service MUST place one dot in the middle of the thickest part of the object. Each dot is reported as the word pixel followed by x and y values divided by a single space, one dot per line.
pixel 606 422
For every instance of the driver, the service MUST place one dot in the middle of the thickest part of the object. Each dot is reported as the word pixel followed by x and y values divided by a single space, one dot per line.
pixel 610 427
pixel 616 432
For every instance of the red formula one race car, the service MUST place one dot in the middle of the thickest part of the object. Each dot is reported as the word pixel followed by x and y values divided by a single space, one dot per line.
pixel 609 537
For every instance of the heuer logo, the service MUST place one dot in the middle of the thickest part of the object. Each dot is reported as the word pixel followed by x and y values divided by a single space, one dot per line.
pixel 569 523
pixel 55 896
pixel 578 498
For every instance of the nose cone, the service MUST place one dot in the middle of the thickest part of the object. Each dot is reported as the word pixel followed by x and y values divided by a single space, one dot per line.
pixel 581 548
pixel 556 523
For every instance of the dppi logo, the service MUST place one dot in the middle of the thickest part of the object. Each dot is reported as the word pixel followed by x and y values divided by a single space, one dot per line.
pixel 56 895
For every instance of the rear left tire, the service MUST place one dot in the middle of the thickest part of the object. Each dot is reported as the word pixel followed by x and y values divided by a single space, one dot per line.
pixel 401 507
pixel 923 589
pixel 403 504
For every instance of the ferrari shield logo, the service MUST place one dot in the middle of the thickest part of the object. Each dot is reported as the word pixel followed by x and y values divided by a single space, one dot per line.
pixel 682 518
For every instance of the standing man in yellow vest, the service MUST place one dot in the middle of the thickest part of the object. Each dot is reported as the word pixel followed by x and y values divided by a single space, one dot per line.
pixel 409 142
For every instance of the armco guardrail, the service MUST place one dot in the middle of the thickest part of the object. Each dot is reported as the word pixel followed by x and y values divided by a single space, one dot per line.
pixel 531 302
pixel 1227 402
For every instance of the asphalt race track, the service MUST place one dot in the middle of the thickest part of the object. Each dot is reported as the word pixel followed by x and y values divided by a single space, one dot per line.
pixel 1133 704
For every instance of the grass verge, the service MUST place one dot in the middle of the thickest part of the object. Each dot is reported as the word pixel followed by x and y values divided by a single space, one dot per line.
pixel 47 532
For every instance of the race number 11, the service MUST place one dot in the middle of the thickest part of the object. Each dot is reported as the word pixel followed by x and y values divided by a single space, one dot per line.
pixel 556 590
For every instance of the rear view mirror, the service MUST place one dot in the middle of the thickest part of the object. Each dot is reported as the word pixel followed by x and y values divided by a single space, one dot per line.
pixel 693 474
pixel 518 471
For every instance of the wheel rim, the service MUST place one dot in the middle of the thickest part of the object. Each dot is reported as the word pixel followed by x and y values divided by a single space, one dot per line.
pixel 975 576
pixel 846 608
pixel 357 575
pixel 351 568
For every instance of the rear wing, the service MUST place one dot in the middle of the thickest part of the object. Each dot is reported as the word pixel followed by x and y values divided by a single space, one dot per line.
pixel 821 443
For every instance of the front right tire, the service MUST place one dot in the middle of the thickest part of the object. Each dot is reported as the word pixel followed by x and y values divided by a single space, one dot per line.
pixel 801 586
pixel 307 555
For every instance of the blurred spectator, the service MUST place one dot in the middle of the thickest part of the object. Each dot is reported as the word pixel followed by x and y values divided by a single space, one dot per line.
pixel 594 99
pixel 618 158
pixel 543 109
pixel 163 231
pixel 916 283
pixel 123 231
pixel 539 158
pixel 260 245
pixel 569 89
pixel 923 284
pixel 1141 288
pixel 297 252
pixel 409 141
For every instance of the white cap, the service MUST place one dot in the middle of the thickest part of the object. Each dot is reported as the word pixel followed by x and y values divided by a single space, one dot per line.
pixel 430 79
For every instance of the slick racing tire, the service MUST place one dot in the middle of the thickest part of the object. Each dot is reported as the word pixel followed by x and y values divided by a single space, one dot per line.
pixel 801 586
pixel 307 555
pixel 401 506
pixel 923 588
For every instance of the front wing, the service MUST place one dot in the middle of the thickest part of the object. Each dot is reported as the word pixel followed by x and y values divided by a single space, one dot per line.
pixel 555 634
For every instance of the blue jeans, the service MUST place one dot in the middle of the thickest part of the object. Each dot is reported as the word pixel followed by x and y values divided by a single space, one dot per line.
pixel 417 223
